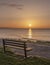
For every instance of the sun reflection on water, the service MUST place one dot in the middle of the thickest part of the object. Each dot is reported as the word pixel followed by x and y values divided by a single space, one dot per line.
pixel 30 33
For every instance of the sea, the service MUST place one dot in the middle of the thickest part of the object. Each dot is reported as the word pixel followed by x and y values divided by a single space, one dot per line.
pixel 39 34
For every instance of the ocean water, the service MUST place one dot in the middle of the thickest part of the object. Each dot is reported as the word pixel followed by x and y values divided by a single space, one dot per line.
pixel 25 33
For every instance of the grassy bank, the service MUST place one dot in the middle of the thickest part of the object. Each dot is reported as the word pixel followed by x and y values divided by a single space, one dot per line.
pixel 10 60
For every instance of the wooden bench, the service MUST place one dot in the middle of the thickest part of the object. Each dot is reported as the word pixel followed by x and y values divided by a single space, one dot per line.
pixel 18 44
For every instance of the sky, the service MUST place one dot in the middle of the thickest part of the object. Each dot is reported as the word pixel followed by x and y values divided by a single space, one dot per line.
pixel 21 13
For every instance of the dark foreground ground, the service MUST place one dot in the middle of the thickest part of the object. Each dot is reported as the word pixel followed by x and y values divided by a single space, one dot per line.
pixel 11 60
pixel 41 50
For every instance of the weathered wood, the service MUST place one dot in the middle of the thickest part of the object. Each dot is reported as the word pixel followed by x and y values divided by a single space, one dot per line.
pixel 17 45
pixel 25 50
pixel 4 45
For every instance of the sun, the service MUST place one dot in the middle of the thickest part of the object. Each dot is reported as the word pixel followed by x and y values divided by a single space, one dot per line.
pixel 30 25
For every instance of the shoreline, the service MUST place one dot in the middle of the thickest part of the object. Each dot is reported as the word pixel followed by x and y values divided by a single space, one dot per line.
pixel 34 41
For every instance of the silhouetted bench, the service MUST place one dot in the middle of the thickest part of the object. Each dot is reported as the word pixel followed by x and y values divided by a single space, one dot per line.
pixel 18 44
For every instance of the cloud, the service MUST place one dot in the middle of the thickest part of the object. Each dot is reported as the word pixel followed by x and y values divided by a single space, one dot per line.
pixel 18 6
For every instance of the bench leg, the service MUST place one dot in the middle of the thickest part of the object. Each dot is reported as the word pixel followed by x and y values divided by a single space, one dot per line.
pixel 25 52
pixel 4 45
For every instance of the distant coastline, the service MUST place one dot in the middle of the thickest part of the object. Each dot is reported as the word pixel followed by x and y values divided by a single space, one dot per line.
pixel 26 28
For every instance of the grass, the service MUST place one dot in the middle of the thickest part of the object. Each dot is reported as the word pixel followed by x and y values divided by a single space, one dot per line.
pixel 11 60
pixel 43 43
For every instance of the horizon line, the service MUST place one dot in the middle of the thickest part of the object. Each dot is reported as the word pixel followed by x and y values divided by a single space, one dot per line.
pixel 23 28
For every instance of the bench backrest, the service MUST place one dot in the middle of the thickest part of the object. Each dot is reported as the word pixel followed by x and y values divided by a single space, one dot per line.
pixel 16 43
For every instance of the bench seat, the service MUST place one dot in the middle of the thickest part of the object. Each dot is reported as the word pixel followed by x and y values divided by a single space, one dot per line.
pixel 15 47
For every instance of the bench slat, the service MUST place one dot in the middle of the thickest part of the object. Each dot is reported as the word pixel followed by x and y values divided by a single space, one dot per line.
pixel 14 42
pixel 15 45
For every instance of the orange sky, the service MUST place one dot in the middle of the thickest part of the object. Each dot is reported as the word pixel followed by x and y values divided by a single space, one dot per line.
pixel 25 24
pixel 19 14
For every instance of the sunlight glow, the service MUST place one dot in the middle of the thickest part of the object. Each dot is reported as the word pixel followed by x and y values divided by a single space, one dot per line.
pixel 30 25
